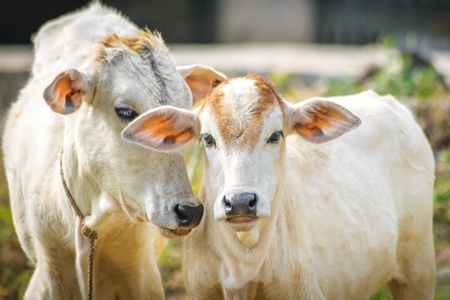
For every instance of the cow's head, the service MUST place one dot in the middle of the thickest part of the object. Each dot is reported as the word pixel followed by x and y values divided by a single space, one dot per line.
pixel 122 80
pixel 243 124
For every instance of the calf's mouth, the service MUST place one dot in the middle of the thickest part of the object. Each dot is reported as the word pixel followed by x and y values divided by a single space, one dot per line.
pixel 241 219
pixel 174 233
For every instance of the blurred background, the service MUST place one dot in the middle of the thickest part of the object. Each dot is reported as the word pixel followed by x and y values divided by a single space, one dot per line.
pixel 305 47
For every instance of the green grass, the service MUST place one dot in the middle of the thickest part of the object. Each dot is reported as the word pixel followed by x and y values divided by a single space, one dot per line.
pixel 14 269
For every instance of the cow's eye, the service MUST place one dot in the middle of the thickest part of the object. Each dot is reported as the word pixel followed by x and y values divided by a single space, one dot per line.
pixel 275 137
pixel 208 139
pixel 126 113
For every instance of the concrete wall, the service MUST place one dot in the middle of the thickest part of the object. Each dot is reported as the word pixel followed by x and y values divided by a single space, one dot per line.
pixel 264 21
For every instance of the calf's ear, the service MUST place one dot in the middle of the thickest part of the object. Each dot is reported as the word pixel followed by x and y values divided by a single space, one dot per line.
pixel 319 120
pixel 67 91
pixel 164 128
pixel 199 79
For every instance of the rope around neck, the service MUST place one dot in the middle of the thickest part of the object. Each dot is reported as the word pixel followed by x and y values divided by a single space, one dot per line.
pixel 85 230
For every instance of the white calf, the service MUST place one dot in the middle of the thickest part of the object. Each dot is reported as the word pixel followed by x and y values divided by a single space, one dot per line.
pixel 288 216
pixel 97 72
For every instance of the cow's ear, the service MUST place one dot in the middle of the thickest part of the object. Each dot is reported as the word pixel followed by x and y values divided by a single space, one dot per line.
pixel 319 120
pixel 164 128
pixel 67 91
pixel 199 79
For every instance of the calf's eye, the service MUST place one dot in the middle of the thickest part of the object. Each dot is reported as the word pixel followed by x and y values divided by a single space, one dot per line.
pixel 208 139
pixel 126 113
pixel 275 137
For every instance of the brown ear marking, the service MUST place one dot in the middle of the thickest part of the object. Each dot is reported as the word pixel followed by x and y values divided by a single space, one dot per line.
pixel 160 126
pixel 159 132
pixel 65 94
pixel 323 121
pixel 179 137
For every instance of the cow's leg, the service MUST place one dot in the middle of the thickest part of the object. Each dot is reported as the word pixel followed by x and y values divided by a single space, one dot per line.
pixel 46 284
pixel 152 289
pixel 145 279
pixel 417 277
pixel 54 276
pixel 246 292
pixel 20 217
pixel 37 287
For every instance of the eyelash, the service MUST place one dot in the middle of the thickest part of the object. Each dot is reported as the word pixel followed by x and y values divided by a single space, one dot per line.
pixel 208 139
pixel 126 114
pixel 275 137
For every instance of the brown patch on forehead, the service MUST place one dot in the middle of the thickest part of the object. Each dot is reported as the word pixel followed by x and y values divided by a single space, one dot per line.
pixel 266 88
pixel 140 43
pixel 236 130
pixel 136 43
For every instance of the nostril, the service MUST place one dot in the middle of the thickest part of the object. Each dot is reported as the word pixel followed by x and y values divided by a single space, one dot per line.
pixel 252 204
pixel 181 214
pixel 189 216
pixel 227 203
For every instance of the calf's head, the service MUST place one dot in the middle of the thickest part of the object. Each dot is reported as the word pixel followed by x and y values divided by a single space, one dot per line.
pixel 243 124
pixel 124 78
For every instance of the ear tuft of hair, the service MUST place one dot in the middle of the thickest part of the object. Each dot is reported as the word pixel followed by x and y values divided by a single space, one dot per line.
pixel 216 82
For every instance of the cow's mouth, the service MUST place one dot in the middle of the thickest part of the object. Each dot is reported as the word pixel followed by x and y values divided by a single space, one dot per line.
pixel 174 233
pixel 241 219
pixel 242 223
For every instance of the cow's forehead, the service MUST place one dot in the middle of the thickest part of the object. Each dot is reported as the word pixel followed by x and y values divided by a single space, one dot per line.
pixel 143 66
pixel 240 108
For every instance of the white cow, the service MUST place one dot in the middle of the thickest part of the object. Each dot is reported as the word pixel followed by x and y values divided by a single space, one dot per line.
pixel 288 216
pixel 97 72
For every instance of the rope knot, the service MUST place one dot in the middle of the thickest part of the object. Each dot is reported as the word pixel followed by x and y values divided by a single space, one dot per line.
pixel 87 232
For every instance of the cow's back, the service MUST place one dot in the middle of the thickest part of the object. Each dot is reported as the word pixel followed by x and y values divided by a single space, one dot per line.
pixel 66 42
pixel 391 141
pixel 365 195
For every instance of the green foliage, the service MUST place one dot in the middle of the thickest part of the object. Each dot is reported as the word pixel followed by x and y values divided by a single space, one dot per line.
pixel 14 270
pixel 283 84
pixel 339 86
pixel 442 183
pixel 404 76
pixel 442 289
pixel 170 260
pixel 382 294
pixel 194 165
pixel 442 190
pixel 5 224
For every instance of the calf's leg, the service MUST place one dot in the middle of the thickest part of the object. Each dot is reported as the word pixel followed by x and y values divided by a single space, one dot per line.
pixel 417 276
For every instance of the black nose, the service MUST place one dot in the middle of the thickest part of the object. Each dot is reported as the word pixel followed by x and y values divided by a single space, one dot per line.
pixel 243 204
pixel 189 216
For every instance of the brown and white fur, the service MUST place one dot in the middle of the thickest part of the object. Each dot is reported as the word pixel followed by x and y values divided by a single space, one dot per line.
pixel 340 188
